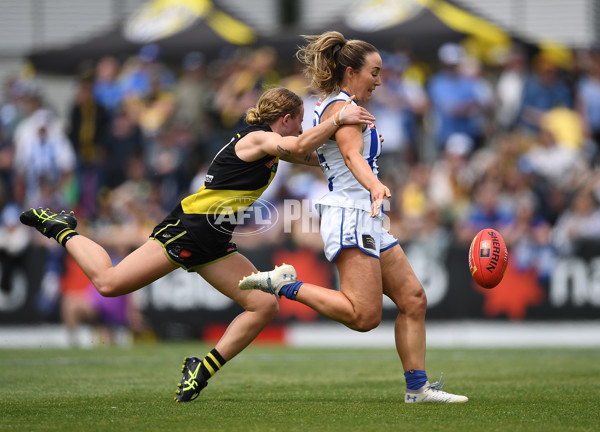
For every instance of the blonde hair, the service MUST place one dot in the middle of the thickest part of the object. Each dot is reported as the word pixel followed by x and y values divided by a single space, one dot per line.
pixel 327 56
pixel 272 104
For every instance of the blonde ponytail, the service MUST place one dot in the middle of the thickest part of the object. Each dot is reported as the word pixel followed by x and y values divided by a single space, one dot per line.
pixel 327 56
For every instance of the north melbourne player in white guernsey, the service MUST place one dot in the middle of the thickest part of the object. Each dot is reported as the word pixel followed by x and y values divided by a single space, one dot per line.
pixel 369 259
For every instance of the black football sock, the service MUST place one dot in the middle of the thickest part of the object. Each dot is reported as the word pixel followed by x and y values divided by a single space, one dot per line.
pixel 211 364
pixel 65 235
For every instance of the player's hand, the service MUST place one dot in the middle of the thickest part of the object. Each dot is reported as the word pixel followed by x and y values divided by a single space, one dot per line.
pixel 353 114
pixel 379 192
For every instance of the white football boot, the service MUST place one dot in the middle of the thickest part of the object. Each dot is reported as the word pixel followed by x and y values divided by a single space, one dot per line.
pixel 433 393
pixel 271 281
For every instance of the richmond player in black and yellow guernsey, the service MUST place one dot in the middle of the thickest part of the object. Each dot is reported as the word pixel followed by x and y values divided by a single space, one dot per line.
pixel 238 175
pixel 231 185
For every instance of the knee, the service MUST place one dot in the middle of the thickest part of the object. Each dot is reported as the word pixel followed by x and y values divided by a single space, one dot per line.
pixel 271 308
pixel 416 304
pixel 365 322
pixel 267 307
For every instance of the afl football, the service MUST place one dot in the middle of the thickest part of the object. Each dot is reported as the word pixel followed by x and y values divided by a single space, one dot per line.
pixel 488 258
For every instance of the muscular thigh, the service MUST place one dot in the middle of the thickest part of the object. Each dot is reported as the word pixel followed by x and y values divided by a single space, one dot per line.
pixel 399 279
pixel 360 279
pixel 140 268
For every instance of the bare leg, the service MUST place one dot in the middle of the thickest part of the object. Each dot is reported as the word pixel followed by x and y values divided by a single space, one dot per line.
pixel 402 286
pixel 358 304
pixel 260 308
pixel 138 269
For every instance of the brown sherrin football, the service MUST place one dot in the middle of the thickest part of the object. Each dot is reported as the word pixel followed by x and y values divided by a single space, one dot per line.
pixel 488 258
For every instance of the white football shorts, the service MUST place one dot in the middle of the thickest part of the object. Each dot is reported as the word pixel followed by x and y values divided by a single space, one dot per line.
pixel 343 227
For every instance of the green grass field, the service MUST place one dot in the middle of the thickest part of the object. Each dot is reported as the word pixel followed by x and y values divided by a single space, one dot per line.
pixel 293 389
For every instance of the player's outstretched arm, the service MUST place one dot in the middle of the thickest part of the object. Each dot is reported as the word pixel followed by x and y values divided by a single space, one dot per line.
pixel 316 136
pixel 300 149
pixel 304 145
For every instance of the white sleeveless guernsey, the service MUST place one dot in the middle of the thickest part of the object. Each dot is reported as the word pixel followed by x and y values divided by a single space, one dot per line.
pixel 344 189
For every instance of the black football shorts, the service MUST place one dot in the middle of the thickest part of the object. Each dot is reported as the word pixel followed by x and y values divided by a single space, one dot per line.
pixel 192 250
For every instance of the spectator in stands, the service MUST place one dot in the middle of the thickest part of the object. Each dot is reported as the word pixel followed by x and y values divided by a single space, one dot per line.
pixel 509 88
pixel 549 161
pixel 169 165
pixel 148 90
pixel 456 104
pixel 451 180
pixel 489 209
pixel 472 70
pixel 14 242
pixel 129 199
pixel 241 89
pixel 155 110
pixel 124 141
pixel 144 71
pixel 409 205
pixel 544 89
pixel 529 238
pixel 194 97
pixel 10 109
pixel 11 114
pixel 44 160
pixel 87 131
pixel 501 161
pixel 566 125
pixel 6 160
pixel 397 105
pixel 588 101
pixel 108 90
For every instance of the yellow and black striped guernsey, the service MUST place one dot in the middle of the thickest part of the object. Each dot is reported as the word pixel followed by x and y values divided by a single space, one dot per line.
pixel 232 180
pixel 231 184
pixel 199 229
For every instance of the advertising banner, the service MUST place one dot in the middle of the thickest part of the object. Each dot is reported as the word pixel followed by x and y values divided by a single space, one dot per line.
pixel 183 305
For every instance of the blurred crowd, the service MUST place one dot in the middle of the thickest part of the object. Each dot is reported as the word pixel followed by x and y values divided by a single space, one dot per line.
pixel 514 145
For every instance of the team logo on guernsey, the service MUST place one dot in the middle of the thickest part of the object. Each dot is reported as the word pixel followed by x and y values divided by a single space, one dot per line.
pixel 272 165
pixel 243 214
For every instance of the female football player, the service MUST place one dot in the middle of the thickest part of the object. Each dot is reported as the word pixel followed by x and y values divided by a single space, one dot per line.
pixel 369 259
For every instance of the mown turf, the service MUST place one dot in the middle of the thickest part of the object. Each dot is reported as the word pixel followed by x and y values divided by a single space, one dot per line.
pixel 289 389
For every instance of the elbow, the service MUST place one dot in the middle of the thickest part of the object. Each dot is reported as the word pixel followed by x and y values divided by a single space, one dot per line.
pixel 106 291
pixel 106 286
